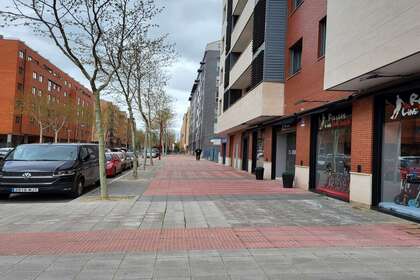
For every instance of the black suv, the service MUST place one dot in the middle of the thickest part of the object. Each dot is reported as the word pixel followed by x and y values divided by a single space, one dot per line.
pixel 49 168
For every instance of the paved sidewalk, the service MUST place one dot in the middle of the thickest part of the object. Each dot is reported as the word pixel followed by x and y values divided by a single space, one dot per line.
pixel 185 219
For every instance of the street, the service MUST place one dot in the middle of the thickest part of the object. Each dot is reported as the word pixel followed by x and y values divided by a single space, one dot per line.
pixel 185 219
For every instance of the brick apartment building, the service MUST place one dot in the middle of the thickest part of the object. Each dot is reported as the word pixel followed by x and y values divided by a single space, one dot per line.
pixel 116 126
pixel 328 91
pixel 23 73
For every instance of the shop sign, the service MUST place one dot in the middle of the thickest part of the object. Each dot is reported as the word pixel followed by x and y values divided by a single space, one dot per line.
pixel 404 109
pixel 216 142
pixel 330 120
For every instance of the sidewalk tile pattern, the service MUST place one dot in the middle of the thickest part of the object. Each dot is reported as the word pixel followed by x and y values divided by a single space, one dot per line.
pixel 55 243
pixel 200 187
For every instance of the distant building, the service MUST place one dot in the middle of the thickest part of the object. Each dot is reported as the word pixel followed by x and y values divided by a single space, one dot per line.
pixel 185 132
pixel 116 126
pixel 25 73
pixel 203 102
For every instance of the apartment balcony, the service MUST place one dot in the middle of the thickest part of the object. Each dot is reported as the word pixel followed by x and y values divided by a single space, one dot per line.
pixel 240 73
pixel 238 6
pixel 242 32
pixel 264 102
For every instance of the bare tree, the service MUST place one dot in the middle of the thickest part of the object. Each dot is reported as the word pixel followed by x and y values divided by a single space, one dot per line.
pixel 37 106
pixel 164 115
pixel 60 112
pixel 92 34
pixel 149 58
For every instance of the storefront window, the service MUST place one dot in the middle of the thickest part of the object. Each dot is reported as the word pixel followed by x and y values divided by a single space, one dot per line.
pixel 400 190
pixel 334 154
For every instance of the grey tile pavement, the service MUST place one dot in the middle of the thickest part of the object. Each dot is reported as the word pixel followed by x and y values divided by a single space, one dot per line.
pixel 316 263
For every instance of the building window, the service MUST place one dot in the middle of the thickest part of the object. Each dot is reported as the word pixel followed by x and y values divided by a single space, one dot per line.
pixel 40 78
pixel 34 75
pixel 29 58
pixel 20 87
pixel 322 37
pixel 34 90
pixel 39 92
pixel 296 3
pixel 49 85
pixel 20 70
pixel 296 57
pixel 65 94
pixel 21 54
pixel 18 119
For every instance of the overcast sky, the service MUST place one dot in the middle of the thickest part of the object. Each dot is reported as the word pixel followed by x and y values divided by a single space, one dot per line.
pixel 191 24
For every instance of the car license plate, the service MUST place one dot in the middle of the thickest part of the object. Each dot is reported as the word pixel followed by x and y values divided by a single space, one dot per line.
pixel 25 190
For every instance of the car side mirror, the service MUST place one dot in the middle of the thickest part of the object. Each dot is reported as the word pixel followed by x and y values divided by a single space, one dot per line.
pixel 86 157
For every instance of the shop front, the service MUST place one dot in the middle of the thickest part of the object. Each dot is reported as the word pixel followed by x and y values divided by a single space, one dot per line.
pixel 331 153
pixel 284 150
pixel 398 152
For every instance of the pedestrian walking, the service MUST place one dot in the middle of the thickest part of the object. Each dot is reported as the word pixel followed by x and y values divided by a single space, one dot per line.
pixel 198 153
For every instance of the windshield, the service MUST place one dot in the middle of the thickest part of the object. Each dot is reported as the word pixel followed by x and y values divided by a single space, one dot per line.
pixel 43 153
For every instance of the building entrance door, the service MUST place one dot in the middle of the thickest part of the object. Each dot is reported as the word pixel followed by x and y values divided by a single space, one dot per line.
pixel 285 153
pixel 224 153
pixel 245 153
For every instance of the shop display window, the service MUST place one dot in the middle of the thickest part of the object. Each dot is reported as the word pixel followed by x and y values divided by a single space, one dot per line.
pixel 333 158
pixel 400 184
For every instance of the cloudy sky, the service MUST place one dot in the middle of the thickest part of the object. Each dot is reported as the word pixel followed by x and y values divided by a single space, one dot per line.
pixel 191 24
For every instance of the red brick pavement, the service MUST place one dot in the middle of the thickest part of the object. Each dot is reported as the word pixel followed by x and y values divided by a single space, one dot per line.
pixel 55 243
pixel 184 176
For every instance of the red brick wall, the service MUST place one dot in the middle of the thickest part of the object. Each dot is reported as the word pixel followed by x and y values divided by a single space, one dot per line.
pixel 303 136
pixel 8 85
pixel 362 134
pixel 308 83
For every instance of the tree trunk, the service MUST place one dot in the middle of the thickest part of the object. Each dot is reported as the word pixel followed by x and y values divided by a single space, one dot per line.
pixel 145 148
pixel 41 136
pixel 101 141
pixel 133 143
pixel 55 136
pixel 162 149
pixel 150 147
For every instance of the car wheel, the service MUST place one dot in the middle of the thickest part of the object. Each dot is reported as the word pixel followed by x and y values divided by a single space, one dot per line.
pixel 4 196
pixel 77 189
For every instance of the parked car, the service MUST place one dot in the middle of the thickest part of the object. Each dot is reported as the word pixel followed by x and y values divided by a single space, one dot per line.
pixel 113 164
pixel 156 151
pixel 122 157
pixel 150 153
pixel 128 161
pixel 49 168
pixel 4 152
